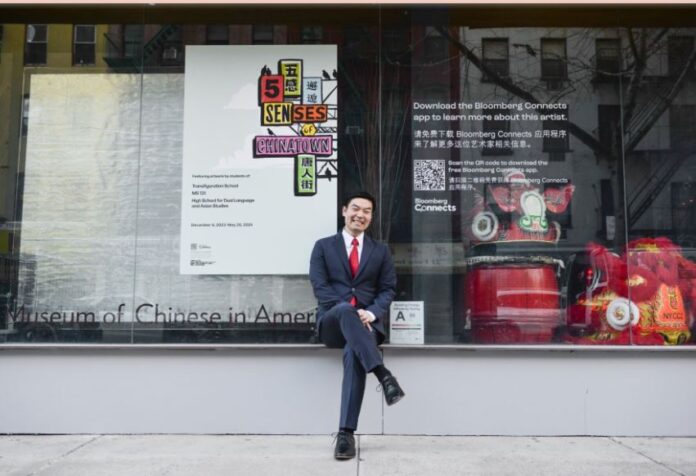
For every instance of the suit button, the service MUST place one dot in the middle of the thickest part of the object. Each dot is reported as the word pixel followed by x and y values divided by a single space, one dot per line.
pixel 352 290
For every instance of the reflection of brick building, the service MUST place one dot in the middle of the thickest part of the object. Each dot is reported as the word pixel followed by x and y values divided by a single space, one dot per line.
pixel 163 46
pixel 26 50
pixel 36 49
pixel 610 89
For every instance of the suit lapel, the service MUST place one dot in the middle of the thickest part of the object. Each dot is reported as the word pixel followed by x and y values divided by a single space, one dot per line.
pixel 368 246
pixel 340 247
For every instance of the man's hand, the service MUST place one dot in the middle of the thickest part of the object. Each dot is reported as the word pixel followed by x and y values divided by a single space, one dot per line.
pixel 366 317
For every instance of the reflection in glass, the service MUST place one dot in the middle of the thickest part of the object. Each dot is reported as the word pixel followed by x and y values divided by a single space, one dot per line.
pixel 36 45
pixel 658 118
pixel 554 62
pixel 544 133
pixel 536 184
pixel 84 44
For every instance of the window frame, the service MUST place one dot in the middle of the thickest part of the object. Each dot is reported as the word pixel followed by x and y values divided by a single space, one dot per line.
pixel 493 64
pixel 173 43
pixel 676 62
pixel 435 47
pixel 259 33
pixel 93 44
pixel 606 68
pixel 39 45
pixel 311 34
pixel 606 126
pixel 562 61
pixel 134 44
pixel 209 40
pixel 681 120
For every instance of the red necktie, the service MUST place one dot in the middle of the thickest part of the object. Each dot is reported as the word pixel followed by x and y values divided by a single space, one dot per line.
pixel 353 261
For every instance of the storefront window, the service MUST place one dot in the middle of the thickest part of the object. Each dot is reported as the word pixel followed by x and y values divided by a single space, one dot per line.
pixel 520 177
pixel 535 184
pixel 69 186
pixel 94 252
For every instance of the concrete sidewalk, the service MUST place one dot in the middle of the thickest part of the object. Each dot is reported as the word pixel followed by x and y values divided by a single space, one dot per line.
pixel 263 455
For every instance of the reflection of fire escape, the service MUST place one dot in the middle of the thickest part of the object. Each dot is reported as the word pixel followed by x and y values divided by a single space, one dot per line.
pixel 134 62
pixel 646 192
pixel 659 101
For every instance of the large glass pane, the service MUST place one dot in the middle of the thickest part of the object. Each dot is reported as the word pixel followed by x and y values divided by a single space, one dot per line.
pixel 659 110
pixel 177 305
pixel 513 182
pixel 69 186
pixel 535 185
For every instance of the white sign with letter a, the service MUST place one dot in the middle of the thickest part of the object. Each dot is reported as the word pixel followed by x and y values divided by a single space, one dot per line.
pixel 406 323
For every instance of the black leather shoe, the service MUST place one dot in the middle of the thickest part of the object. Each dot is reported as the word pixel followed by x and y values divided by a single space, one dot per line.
pixel 345 446
pixel 392 390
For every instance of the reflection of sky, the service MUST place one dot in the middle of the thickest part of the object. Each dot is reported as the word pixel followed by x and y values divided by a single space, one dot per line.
pixel 240 101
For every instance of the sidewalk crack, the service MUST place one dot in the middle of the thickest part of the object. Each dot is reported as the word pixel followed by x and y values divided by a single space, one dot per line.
pixel 53 461
pixel 357 456
pixel 659 463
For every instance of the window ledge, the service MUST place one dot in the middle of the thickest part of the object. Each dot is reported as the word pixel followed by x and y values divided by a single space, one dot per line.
pixel 396 347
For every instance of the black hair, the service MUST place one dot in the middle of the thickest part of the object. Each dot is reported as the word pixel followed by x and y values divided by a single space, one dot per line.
pixel 363 195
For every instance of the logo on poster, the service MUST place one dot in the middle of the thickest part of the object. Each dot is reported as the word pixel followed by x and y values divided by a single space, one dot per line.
pixel 301 106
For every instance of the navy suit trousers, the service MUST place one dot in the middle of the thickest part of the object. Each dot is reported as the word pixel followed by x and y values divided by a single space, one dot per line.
pixel 340 328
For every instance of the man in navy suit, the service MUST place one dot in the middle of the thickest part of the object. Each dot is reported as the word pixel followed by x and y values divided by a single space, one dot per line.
pixel 354 282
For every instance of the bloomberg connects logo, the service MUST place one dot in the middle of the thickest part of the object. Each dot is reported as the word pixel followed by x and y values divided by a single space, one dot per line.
pixel 438 205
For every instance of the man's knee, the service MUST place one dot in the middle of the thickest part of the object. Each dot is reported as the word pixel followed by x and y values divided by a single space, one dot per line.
pixel 344 308
pixel 348 315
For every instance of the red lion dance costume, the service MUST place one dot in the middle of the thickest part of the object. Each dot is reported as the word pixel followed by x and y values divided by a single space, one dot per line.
pixel 642 297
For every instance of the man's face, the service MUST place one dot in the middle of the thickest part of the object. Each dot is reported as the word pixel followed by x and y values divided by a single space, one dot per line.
pixel 357 215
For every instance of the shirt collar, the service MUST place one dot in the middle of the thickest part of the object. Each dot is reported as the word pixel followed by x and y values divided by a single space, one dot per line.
pixel 348 239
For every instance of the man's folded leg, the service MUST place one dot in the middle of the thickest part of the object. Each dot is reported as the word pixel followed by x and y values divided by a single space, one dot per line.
pixel 352 389
pixel 341 325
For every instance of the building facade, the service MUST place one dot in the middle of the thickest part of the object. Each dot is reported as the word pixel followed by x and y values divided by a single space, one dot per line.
pixel 535 184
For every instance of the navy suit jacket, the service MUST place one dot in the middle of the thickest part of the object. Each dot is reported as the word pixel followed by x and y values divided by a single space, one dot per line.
pixel 374 285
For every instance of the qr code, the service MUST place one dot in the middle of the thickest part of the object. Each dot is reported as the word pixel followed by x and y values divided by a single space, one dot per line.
pixel 428 175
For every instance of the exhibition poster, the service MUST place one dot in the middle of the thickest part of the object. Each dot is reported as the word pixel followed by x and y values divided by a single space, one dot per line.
pixel 260 157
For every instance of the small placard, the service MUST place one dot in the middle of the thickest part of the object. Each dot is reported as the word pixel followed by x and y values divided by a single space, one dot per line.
pixel 305 175
pixel 291 69
pixel 406 323
pixel 312 91
pixel 271 88
pixel 276 114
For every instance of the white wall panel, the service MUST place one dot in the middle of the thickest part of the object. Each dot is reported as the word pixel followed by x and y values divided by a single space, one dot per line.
pixel 278 391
